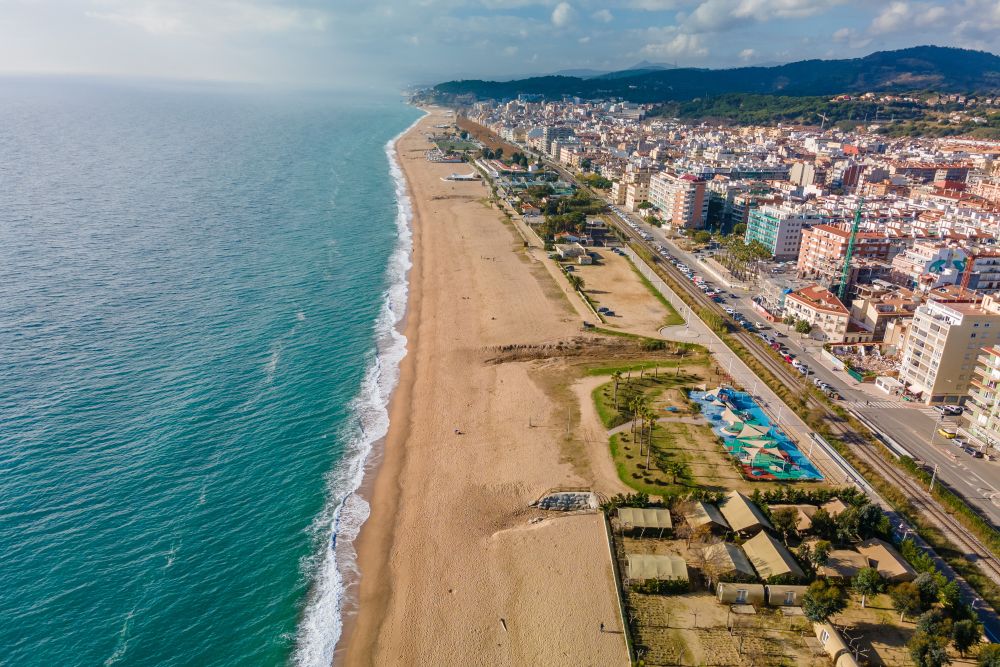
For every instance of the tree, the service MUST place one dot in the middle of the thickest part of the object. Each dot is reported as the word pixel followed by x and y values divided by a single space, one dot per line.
pixel 950 597
pixel 740 229
pixel 585 163
pixel 576 282
pixel 464 134
pixel 867 582
pixel 822 600
pixel 803 327
pixel 702 237
pixel 989 656
pixel 788 319
pixel 928 651
pixel 498 153
pixel 674 469
pixel 644 205
pixel 616 377
pixel 927 585
pixel 933 622
pixel 906 599
pixel 487 154
pixel 872 522
pixel 823 525
pixel 785 520
pixel 820 553
pixel 965 634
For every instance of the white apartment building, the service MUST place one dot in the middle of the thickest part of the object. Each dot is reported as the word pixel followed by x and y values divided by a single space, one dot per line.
pixel 942 348
pixel 779 229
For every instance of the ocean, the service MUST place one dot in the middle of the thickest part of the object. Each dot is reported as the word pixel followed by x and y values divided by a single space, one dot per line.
pixel 199 293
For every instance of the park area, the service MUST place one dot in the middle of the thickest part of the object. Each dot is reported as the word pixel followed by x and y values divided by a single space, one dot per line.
pixel 660 441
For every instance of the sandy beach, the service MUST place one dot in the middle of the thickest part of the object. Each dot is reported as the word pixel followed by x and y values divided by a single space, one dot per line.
pixel 456 568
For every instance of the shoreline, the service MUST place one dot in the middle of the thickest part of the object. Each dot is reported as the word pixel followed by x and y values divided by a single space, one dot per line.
pixel 452 563
pixel 332 600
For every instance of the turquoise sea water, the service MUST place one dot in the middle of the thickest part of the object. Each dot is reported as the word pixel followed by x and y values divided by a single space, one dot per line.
pixel 197 293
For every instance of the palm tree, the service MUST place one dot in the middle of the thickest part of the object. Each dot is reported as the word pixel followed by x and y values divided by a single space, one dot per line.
pixel 616 377
pixel 651 417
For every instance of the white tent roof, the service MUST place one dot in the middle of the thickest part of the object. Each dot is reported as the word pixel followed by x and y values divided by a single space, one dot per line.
pixel 646 566
pixel 645 517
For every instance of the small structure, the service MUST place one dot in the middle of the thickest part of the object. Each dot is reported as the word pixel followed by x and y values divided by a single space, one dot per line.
pixel 803 515
pixel 834 645
pixel 570 250
pixel 784 596
pixel 641 518
pixel 770 557
pixel 889 385
pixel 568 501
pixel 842 564
pixel 740 593
pixel 834 507
pixel 884 558
pixel 726 560
pixel 742 515
pixel 705 514
pixel 642 567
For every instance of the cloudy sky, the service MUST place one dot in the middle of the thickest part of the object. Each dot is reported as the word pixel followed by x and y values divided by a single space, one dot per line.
pixel 385 42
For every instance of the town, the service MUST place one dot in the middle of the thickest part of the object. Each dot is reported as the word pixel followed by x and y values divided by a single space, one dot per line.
pixel 866 264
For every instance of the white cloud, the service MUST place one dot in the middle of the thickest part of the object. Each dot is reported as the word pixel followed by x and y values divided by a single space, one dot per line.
pixel 562 15
pixel 892 18
pixel 603 15
pixel 681 44
pixel 584 40
pixel 747 54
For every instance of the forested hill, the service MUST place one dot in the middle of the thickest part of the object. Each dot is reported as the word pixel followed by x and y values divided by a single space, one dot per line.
pixel 936 68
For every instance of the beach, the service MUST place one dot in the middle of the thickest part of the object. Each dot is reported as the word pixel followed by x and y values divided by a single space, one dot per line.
pixel 455 567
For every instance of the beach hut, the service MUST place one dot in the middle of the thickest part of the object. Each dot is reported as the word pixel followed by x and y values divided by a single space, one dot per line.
pixel 642 518
pixel 742 515
pixel 702 514
pixel 642 567
pixel 770 557
pixel 784 596
pixel 884 558
pixel 834 507
pixel 728 593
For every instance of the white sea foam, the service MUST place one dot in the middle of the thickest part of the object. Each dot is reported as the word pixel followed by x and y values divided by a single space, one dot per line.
pixel 333 566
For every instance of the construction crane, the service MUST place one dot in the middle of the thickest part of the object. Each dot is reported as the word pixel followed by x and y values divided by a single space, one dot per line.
pixel 846 273
pixel 970 262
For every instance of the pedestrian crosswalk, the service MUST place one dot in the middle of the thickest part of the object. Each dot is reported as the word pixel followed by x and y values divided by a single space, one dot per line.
pixel 889 405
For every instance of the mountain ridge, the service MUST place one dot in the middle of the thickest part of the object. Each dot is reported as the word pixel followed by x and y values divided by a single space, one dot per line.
pixel 944 69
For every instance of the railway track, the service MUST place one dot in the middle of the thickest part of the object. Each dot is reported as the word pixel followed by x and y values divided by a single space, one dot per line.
pixel 917 495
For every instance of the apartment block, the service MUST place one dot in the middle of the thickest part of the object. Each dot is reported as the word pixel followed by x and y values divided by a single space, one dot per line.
pixel 682 199
pixel 824 248
pixel 984 398
pixel 942 348
pixel 779 229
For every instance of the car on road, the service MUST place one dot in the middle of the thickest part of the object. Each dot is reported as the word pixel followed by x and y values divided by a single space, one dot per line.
pixel 947 432
pixel 953 410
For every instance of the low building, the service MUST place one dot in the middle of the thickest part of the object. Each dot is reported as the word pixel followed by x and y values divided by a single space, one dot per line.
pixel 842 564
pixel 784 595
pixel 571 250
pixel 742 515
pixel 705 514
pixel 803 515
pixel 770 558
pixel 727 593
pixel 725 560
pixel 834 645
pixel 883 557
pixel 822 310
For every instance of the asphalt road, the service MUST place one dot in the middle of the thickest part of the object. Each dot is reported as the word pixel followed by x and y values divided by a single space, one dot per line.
pixel 912 426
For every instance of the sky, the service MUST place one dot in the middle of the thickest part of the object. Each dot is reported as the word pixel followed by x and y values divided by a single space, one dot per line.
pixel 377 43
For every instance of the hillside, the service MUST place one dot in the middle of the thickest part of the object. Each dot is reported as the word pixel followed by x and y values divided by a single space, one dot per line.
pixel 922 67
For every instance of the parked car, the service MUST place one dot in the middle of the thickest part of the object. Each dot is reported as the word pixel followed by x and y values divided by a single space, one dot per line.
pixel 953 410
